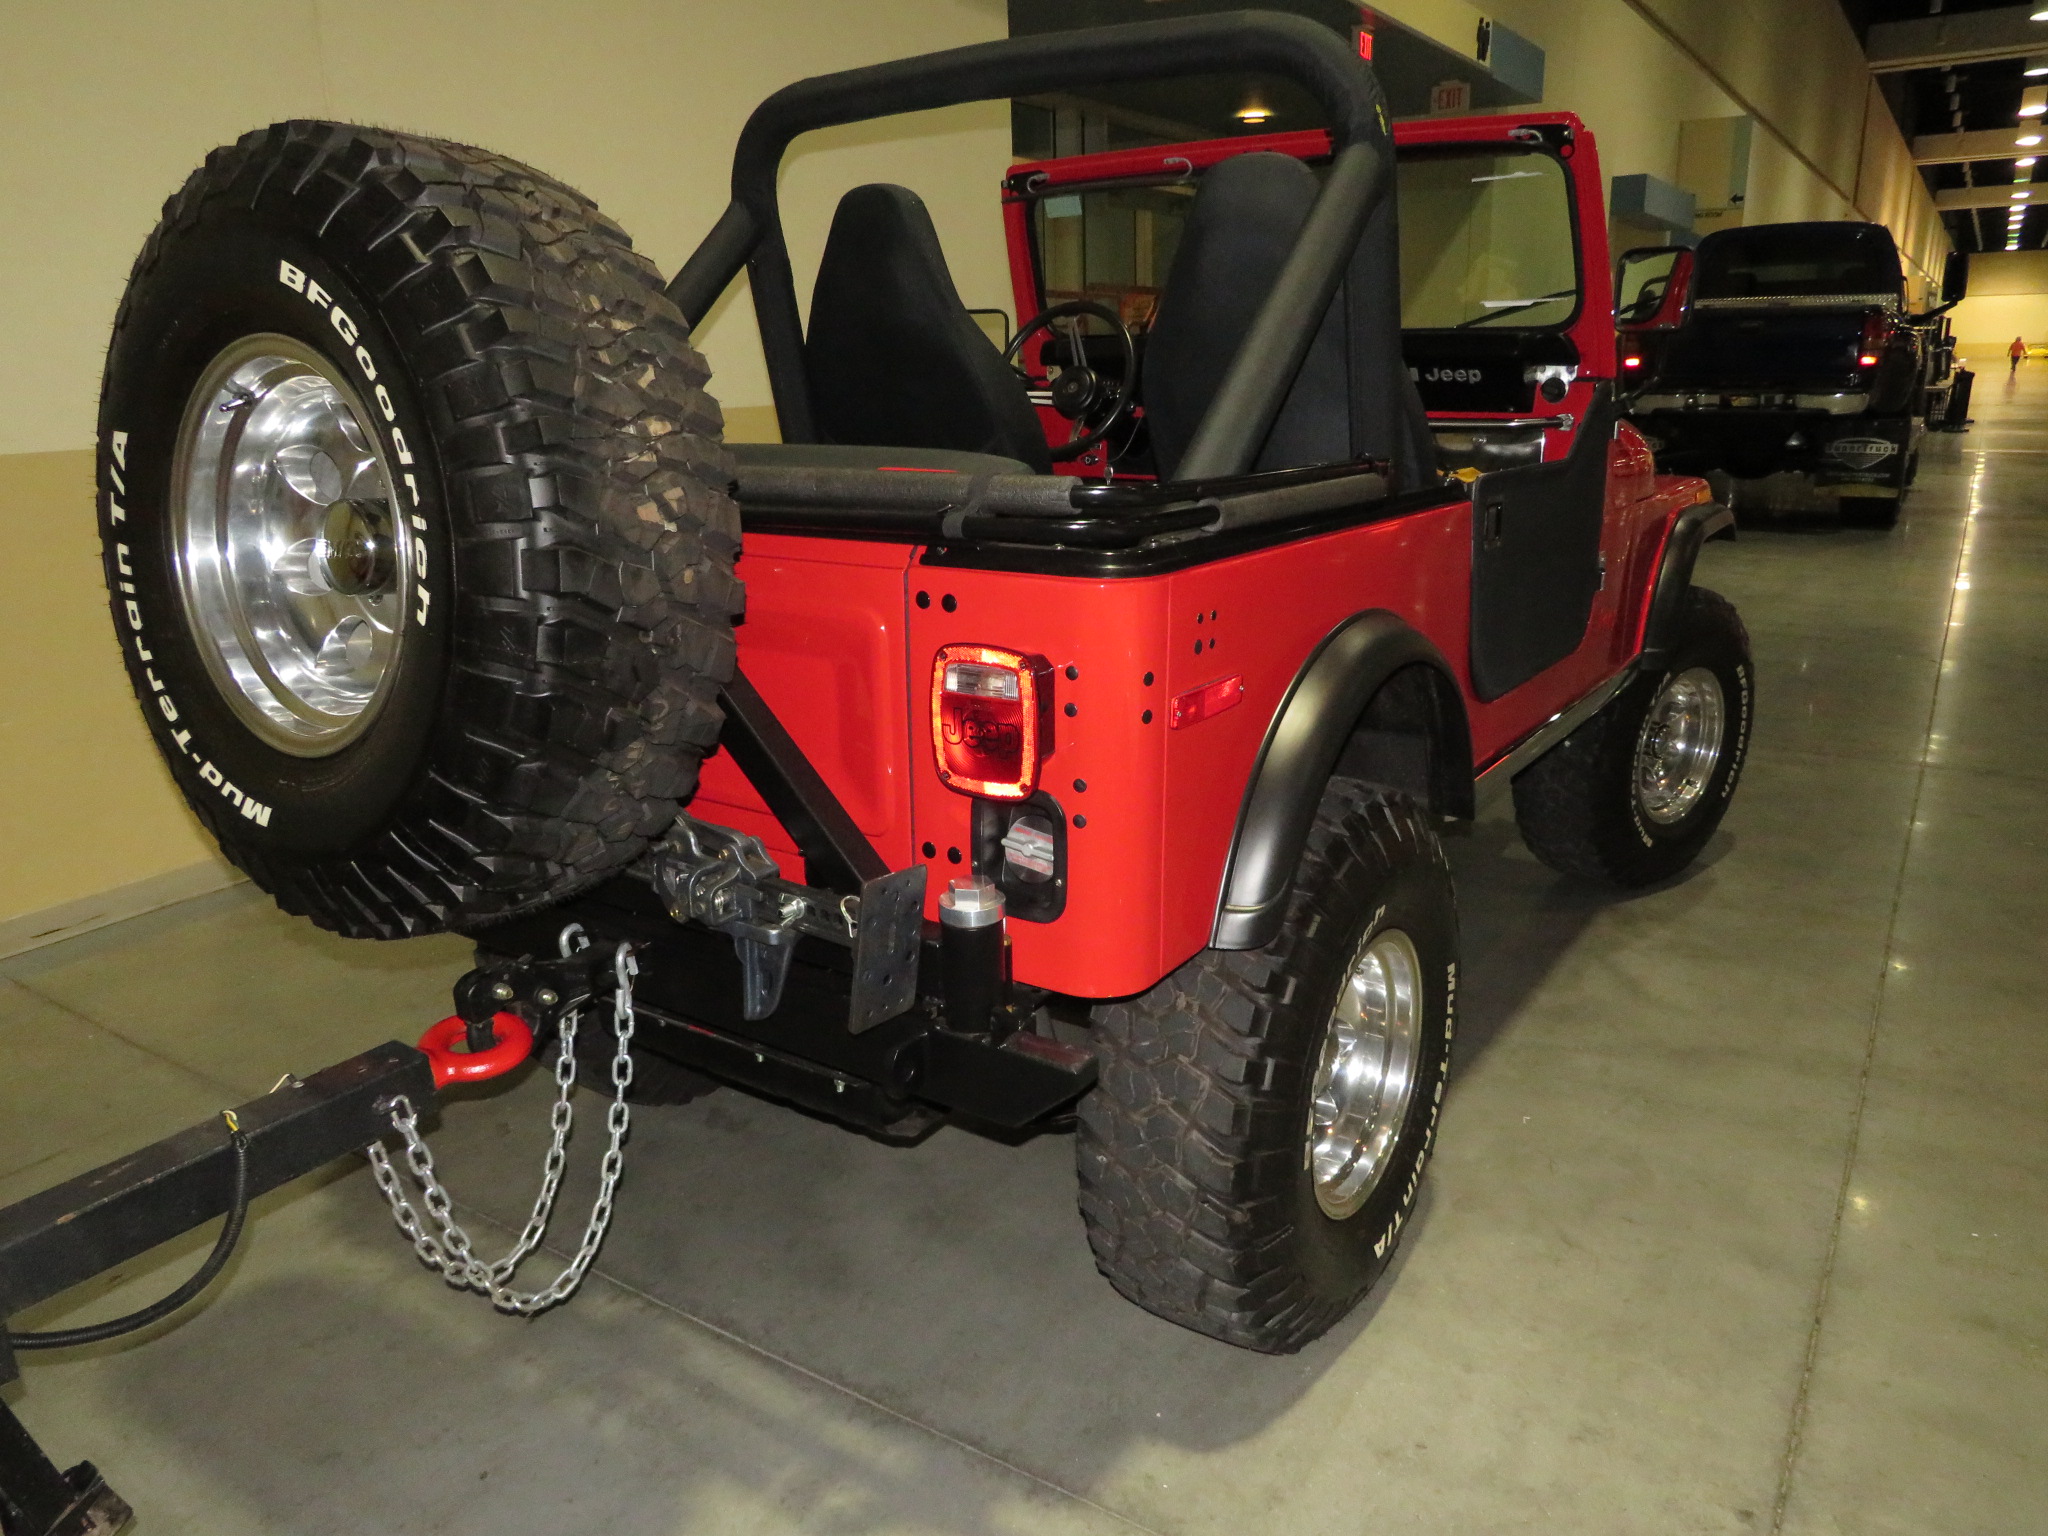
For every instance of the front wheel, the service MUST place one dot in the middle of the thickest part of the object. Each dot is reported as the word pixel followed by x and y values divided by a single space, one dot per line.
pixel 1258 1134
pixel 1631 796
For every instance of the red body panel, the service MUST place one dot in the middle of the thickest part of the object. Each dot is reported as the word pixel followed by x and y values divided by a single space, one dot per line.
pixel 831 625
pixel 823 641
pixel 838 643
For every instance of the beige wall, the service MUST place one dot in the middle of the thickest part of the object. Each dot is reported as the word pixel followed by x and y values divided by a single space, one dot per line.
pixel 105 105
pixel 2008 298
pixel 84 807
pixel 1825 147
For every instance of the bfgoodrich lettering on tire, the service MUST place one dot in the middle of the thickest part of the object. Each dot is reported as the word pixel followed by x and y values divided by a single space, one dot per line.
pixel 415 527
pixel 1258 1134
pixel 1631 796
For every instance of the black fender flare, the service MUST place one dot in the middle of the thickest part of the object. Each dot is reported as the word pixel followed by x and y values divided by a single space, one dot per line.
pixel 1665 624
pixel 1322 709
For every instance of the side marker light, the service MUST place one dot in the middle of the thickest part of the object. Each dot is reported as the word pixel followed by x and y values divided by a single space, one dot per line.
pixel 1198 704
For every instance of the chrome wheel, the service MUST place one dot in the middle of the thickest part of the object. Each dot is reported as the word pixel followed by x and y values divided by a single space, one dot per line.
pixel 1680 745
pixel 1366 1075
pixel 289 548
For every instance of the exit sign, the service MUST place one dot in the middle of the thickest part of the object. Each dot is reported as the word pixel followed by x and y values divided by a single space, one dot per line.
pixel 1450 96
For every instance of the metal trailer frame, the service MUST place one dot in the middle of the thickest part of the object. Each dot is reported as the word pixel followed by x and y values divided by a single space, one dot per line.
pixel 87 1225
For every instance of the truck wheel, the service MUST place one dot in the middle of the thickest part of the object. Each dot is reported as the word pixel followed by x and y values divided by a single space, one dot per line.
pixel 1878 512
pixel 1632 795
pixel 415 527
pixel 1259 1129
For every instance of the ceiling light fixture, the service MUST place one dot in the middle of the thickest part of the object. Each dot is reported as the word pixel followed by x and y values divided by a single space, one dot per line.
pixel 2037 66
pixel 1252 114
pixel 2034 101
pixel 2024 161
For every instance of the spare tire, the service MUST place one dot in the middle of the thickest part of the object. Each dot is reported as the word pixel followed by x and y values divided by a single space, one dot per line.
pixel 416 527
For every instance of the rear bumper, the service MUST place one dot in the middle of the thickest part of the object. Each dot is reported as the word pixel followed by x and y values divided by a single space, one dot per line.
pixel 1862 455
pixel 1826 402
pixel 898 1077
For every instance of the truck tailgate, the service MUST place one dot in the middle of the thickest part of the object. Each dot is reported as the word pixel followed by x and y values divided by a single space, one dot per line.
pixel 1802 348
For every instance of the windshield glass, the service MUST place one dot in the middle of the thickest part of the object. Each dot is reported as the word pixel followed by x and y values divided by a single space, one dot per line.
pixel 1797 261
pixel 1114 245
pixel 1486 240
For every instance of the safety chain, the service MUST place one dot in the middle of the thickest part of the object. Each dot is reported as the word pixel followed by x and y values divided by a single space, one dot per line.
pixel 449 1251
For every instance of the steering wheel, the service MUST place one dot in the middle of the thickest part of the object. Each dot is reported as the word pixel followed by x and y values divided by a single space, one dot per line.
pixel 1080 393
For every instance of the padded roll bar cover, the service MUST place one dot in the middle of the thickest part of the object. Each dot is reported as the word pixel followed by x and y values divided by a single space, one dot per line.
pixel 1308 734
pixel 1664 625
pixel 1299 50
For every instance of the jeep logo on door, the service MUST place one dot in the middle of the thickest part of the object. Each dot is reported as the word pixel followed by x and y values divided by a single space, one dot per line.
pixel 1861 452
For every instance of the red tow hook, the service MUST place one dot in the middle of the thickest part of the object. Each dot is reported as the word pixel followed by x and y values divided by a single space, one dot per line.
pixel 514 1044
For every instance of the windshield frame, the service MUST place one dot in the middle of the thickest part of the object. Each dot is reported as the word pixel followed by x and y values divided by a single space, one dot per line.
pixel 1591 334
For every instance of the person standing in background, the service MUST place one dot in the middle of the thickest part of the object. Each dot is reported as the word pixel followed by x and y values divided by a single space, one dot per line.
pixel 2016 351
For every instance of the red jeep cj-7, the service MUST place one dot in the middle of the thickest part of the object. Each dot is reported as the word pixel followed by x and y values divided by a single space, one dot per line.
pixel 1082 751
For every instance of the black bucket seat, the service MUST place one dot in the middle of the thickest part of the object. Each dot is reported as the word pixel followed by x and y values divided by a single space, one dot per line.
pixel 1353 396
pixel 893 356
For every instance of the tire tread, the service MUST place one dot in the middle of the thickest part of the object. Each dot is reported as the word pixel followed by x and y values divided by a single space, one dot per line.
pixel 1179 1191
pixel 584 490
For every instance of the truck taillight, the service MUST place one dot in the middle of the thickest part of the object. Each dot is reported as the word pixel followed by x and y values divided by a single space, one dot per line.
pixel 1631 362
pixel 991 720
pixel 1877 330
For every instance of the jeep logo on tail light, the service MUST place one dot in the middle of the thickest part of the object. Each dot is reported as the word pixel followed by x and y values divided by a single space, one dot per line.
pixel 991 720
pixel 1861 452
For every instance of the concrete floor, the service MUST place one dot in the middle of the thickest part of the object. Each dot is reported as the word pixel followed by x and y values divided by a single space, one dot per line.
pixel 1737 1224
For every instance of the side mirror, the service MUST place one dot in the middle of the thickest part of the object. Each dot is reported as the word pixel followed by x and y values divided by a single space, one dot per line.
pixel 1955 278
pixel 1646 280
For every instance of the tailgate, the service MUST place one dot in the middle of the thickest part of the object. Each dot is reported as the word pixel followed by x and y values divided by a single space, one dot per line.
pixel 1806 349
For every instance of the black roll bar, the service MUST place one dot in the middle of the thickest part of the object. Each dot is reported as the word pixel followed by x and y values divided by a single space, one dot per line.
pixel 749 234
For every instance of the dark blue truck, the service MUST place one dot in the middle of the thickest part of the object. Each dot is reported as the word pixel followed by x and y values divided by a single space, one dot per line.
pixel 1780 361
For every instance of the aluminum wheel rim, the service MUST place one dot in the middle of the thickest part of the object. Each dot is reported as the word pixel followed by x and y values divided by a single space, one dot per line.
pixel 289 550
pixel 1680 745
pixel 1366 1075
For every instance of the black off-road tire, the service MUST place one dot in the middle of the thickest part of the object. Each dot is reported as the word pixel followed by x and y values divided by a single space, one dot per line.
pixel 1577 806
pixel 1192 1147
pixel 565 485
pixel 1879 513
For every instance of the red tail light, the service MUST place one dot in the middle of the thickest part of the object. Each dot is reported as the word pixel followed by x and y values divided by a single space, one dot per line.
pixel 1877 330
pixel 991 720
pixel 1631 362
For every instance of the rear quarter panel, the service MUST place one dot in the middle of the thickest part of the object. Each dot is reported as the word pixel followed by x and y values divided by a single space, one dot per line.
pixel 839 637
